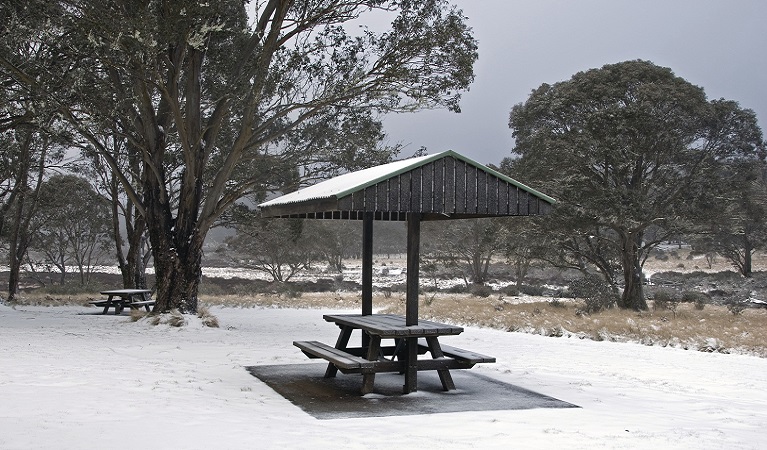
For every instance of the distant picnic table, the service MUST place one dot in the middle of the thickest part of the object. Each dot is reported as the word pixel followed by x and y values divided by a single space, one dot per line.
pixel 119 299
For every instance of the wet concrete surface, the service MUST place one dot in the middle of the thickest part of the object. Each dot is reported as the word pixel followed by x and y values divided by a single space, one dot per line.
pixel 339 397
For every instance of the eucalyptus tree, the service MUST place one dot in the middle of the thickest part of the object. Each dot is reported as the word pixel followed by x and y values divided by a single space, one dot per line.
pixel 218 107
pixel 32 136
pixel 280 249
pixel 72 226
pixel 130 244
pixel 626 148
pixel 735 226
pixel 467 245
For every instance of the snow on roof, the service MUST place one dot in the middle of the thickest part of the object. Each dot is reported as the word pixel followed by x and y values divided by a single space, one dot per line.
pixel 337 186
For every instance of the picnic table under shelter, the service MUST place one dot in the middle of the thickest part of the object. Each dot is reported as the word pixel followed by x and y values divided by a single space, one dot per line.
pixel 444 186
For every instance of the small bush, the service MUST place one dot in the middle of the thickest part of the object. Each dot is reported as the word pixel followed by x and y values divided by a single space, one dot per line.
pixel 511 290
pixel 290 290
pixel 457 289
pixel 535 291
pixel 480 290
pixel 736 307
pixel 595 292
pixel 698 299
pixel 663 299
pixel 556 303
pixel 694 296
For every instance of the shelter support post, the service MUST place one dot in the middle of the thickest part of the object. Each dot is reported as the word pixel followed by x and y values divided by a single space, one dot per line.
pixel 367 269
pixel 367 263
pixel 411 300
pixel 413 243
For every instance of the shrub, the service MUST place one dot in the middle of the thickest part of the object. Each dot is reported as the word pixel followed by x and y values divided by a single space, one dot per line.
pixel 663 299
pixel 291 290
pixel 480 290
pixel 556 303
pixel 511 290
pixel 736 307
pixel 536 291
pixel 699 299
pixel 595 292
pixel 457 289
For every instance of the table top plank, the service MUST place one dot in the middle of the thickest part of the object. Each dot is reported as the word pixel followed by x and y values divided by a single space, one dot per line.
pixel 392 325
pixel 126 292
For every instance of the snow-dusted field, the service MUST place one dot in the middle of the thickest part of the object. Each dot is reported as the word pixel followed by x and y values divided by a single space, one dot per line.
pixel 73 380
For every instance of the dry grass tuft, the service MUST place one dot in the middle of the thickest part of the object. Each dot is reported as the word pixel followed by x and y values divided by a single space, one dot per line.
pixel 208 319
pixel 137 314
pixel 175 319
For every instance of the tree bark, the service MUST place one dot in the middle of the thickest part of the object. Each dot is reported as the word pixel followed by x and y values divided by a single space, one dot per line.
pixel 633 293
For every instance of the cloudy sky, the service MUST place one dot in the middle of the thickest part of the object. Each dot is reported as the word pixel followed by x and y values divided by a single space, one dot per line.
pixel 719 45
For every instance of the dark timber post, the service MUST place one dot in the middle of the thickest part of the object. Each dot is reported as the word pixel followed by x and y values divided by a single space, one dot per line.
pixel 367 263
pixel 413 242
pixel 411 301
pixel 367 269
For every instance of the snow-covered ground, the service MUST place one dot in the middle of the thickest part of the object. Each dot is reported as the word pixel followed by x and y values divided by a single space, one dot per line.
pixel 73 380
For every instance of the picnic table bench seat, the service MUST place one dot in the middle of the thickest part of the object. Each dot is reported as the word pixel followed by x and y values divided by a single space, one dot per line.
pixel 459 354
pixel 346 362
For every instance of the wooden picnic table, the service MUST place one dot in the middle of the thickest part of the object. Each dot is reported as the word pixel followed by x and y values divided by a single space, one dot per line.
pixel 409 341
pixel 121 298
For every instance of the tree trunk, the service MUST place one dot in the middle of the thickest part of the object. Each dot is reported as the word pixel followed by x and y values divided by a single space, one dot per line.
pixel 633 294
pixel 25 207
pixel 746 270
pixel 17 249
pixel 178 271
pixel 134 269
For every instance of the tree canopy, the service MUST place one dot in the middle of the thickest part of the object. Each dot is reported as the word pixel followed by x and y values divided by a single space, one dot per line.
pixel 626 149
pixel 218 104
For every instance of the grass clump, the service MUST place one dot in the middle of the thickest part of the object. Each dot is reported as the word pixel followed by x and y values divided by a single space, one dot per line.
pixel 208 319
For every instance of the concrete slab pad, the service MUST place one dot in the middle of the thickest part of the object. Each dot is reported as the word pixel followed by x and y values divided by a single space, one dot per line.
pixel 339 397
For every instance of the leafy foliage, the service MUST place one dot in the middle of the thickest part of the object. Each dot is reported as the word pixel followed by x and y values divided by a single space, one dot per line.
pixel 628 151
pixel 217 109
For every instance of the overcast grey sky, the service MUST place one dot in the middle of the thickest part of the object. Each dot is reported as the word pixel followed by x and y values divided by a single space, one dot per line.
pixel 720 46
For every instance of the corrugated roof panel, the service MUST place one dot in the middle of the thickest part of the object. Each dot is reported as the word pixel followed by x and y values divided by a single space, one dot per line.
pixel 342 185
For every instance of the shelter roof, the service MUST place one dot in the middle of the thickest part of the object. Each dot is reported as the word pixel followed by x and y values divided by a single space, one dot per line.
pixel 445 185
